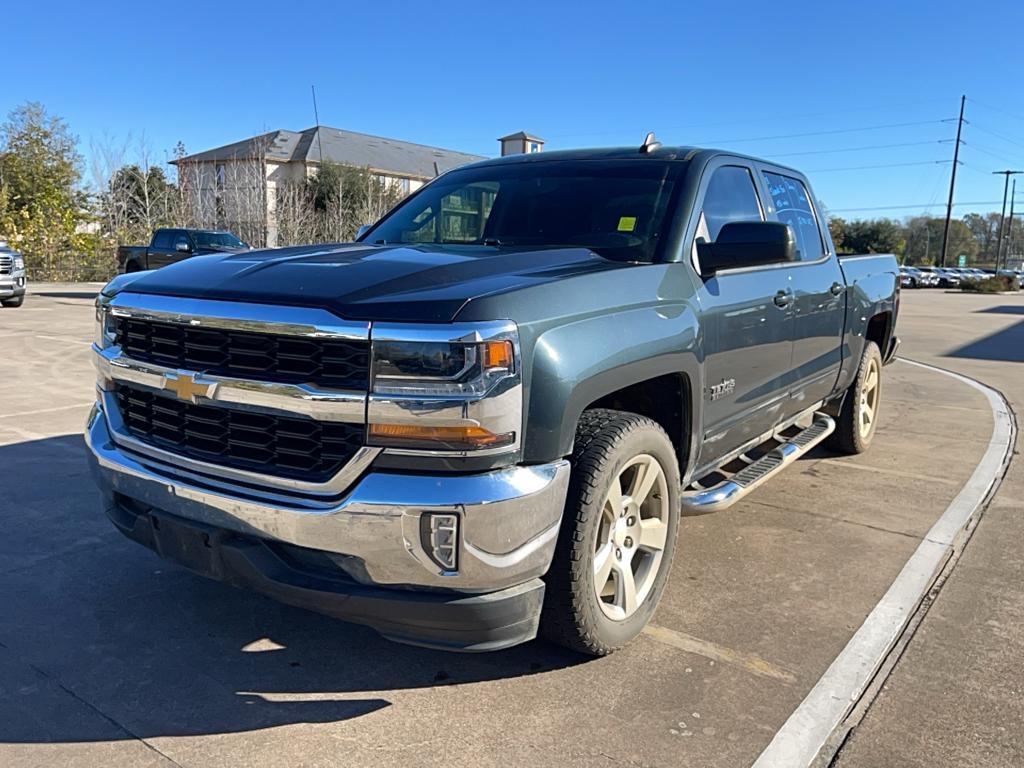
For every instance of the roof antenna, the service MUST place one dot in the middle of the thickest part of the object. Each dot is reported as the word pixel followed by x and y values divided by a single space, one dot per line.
pixel 437 171
pixel 650 144
pixel 316 116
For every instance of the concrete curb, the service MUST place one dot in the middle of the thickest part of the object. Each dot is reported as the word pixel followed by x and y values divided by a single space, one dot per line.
pixel 810 728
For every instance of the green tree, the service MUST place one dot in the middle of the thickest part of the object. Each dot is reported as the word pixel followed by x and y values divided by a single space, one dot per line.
pixel 137 200
pixel 41 205
pixel 837 229
pixel 984 229
pixel 873 236
pixel 924 241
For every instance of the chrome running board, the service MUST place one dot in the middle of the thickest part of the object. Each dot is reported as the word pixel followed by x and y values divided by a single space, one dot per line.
pixel 700 500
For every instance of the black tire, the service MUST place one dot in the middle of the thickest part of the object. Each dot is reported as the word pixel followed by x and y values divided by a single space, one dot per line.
pixel 848 436
pixel 606 442
pixel 17 301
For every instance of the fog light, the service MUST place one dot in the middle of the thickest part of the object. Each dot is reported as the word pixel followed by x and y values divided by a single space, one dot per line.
pixel 440 537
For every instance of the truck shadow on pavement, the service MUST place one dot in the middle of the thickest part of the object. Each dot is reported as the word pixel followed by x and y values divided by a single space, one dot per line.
pixel 1006 345
pixel 101 640
pixel 1003 309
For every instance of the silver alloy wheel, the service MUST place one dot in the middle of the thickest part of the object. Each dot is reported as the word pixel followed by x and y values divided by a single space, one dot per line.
pixel 869 393
pixel 630 540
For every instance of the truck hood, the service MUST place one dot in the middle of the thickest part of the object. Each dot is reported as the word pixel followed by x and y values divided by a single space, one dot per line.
pixel 421 283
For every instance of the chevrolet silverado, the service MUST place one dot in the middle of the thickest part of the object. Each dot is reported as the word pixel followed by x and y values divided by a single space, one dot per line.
pixel 169 246
pixel 485 418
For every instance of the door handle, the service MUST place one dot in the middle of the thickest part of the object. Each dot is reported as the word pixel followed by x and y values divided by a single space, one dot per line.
pixel 783 298
pixel 836 289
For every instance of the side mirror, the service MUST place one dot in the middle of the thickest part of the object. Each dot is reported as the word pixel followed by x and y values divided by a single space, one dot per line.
pixel 747 244
pixel 182 248
pixel 363 230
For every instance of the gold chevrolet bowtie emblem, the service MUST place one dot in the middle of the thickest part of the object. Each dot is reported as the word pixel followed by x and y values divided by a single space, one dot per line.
pixel 185 386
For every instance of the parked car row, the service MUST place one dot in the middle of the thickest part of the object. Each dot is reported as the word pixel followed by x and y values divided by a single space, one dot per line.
pixel 947 277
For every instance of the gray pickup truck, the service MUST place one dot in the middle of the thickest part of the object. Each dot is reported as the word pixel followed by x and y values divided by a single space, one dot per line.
pixel 486 417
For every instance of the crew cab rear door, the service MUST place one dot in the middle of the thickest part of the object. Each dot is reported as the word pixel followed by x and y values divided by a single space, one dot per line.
pixel 747 319
pixel 161 251
pixel 819 289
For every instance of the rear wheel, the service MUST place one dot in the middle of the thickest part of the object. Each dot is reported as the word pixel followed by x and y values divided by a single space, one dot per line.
pixel 858 418
pixel 618 532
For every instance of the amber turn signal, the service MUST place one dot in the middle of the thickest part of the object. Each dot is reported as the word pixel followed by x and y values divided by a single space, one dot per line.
pixel 439 437
pixel 497 354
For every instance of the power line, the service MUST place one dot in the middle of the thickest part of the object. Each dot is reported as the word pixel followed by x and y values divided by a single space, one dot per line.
pixel 861 149
pixel 822 133
pixel 996 109
pixel 989 151
pixel 974 168
pixel 998 135
pixel 881 165
pixel 916 205
pixel 761 120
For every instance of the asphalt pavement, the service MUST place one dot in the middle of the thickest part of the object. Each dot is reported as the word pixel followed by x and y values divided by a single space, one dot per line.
pixel 109 656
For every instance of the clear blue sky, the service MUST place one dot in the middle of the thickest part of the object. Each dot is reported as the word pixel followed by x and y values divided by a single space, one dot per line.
pixel 458 75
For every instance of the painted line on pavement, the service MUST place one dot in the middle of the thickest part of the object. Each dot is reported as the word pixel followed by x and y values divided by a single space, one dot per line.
pixel 749 661
pixel 802 737
pixel 885 471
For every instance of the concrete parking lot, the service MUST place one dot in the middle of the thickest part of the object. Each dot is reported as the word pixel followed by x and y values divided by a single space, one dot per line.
pixel 109 656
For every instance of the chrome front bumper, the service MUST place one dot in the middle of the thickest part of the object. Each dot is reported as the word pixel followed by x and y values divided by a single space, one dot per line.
pixel 12 285
pixel 508 518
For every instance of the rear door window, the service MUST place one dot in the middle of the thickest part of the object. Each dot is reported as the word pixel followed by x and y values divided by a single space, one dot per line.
pixel 793 207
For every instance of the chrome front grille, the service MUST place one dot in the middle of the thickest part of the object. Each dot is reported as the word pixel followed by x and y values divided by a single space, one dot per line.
pixel 278 445
pixel 323 362
pixel 270 397
pixel 6 264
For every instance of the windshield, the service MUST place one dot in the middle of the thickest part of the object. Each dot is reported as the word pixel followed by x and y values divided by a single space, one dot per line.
pixel 616 208
pixel 217 240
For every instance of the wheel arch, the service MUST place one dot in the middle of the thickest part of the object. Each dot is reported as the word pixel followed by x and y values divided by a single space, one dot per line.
pixel 624 360
pixel 879 329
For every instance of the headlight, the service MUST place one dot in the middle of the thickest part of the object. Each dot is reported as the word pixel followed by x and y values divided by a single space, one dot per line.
pixel 444 389
pixel 440 368
pixel 105 335
pixel 19 263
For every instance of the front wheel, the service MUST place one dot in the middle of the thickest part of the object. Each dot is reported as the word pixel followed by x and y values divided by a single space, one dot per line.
pixel 618 532
pixel 858 419
pixel 17 301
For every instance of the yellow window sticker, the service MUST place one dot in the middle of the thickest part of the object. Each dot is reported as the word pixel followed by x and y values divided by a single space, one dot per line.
pixel 627 223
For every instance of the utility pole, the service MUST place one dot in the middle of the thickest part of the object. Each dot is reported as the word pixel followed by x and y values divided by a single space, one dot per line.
pixel 1002 216
pixel 952 183
pixel 1009 226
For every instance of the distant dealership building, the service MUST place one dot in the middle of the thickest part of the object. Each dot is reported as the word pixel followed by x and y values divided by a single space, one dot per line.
pixel 241 181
